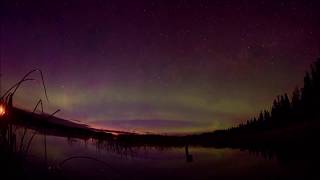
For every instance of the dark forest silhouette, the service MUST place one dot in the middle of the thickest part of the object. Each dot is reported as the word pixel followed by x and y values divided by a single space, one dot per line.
pixel 303 106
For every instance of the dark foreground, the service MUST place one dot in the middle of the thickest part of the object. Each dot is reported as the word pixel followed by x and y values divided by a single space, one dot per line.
pixel 36 147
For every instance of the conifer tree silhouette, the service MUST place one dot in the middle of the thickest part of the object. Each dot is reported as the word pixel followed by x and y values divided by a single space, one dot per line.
pixel 304 105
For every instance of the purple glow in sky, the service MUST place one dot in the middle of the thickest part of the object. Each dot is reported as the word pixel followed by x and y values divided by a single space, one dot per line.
pixel 160 66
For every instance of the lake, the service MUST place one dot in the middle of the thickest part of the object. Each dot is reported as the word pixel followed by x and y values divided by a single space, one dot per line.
pixel 85 159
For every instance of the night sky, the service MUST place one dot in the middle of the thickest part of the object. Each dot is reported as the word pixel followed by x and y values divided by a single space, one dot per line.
pixel 158 66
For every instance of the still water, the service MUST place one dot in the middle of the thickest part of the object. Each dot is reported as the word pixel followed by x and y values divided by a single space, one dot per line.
pixel 54 156
pixel 92 159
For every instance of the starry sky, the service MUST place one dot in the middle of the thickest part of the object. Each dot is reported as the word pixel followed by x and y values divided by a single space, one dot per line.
pixel 170 66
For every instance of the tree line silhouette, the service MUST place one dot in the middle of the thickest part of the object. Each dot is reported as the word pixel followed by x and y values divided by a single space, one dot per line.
pixel 303 106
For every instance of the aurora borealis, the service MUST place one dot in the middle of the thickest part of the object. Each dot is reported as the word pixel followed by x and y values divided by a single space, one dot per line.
pixel 159 66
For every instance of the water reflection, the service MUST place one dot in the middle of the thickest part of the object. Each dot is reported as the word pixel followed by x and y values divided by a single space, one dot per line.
pixel 189 157
pixel 40 153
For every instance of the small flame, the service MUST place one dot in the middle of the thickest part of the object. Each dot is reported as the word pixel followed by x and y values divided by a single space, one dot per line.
pixel 2 110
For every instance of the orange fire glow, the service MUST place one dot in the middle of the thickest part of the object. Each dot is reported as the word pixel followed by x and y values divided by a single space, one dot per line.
pixel 2 110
